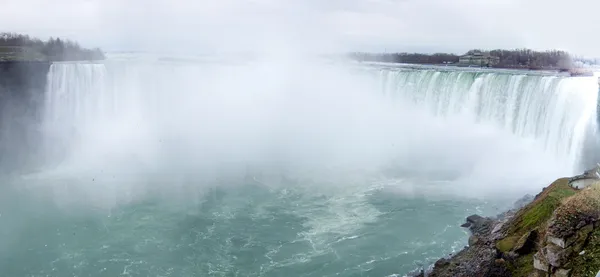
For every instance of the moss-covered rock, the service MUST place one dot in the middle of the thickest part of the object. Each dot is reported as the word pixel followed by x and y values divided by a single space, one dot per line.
pixel 556 225
pixel 541 209
pixel 587 262
pixel 522 266
pixel 557 234
pixel 572 245
pixel 507 244
pixel 524 232
pixel 576 212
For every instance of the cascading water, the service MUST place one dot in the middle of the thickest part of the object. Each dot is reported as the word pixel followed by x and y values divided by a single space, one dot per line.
pixel 75 98
pixel 557 112
pixel 269 169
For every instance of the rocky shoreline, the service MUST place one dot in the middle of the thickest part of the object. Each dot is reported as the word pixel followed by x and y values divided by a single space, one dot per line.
pixel 555 233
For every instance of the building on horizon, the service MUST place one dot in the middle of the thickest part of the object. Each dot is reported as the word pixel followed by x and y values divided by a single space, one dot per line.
pixel 479 59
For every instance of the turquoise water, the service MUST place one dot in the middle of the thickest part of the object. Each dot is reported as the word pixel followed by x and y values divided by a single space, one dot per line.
pixel 247 230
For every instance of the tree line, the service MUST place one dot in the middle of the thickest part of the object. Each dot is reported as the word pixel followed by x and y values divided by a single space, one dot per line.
pixel 23 47
pixel 516 58
pixel 414 58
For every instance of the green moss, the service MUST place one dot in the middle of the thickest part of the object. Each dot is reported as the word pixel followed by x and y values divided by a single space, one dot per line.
pixel 522 266
pixel 533 216
pixel 583 207
pixel 507 243
pixel 541 209
pixel 588 264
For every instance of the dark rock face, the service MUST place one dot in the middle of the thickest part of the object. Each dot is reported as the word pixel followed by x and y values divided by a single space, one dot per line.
pixel 22 86
pixel 526 244
pixel 478 225
pixel 479 259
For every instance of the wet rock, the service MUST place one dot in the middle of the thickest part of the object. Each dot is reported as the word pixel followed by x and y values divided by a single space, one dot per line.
pixel 479 225
pixel 442 262
pixel 474 219
pixel 478 260
pixel 420 274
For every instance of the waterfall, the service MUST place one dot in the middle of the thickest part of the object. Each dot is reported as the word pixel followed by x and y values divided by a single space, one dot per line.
pixel 76 96
pixel 557 112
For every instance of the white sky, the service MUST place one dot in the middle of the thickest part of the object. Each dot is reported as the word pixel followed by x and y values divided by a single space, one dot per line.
pixel 206 26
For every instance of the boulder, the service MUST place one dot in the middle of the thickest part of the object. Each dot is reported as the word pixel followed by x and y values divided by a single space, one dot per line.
pixel 581 238
pixel 557 241
pixel 556 255
pixel 539 263
pixel 478 225
pixel 576 241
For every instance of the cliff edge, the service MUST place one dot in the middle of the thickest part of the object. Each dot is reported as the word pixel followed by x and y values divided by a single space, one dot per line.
pixel 22 90
pixel 556 234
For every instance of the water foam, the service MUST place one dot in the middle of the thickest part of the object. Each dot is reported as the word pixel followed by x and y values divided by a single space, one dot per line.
pixel 193 123
pixel 555 112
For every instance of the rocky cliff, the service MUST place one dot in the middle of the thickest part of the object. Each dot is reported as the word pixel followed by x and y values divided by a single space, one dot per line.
pixel 555 234
pixel 22 86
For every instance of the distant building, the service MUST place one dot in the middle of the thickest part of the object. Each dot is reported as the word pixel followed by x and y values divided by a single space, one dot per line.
pixel 586 179
pixel 479 59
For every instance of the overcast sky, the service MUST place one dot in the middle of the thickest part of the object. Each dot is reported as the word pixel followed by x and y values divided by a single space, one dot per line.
pixel 206 26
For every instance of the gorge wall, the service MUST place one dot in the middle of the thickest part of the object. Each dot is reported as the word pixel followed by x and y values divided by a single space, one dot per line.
pixel 22 86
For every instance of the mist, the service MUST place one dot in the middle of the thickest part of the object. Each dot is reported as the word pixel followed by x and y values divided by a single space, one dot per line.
pixel 133 131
